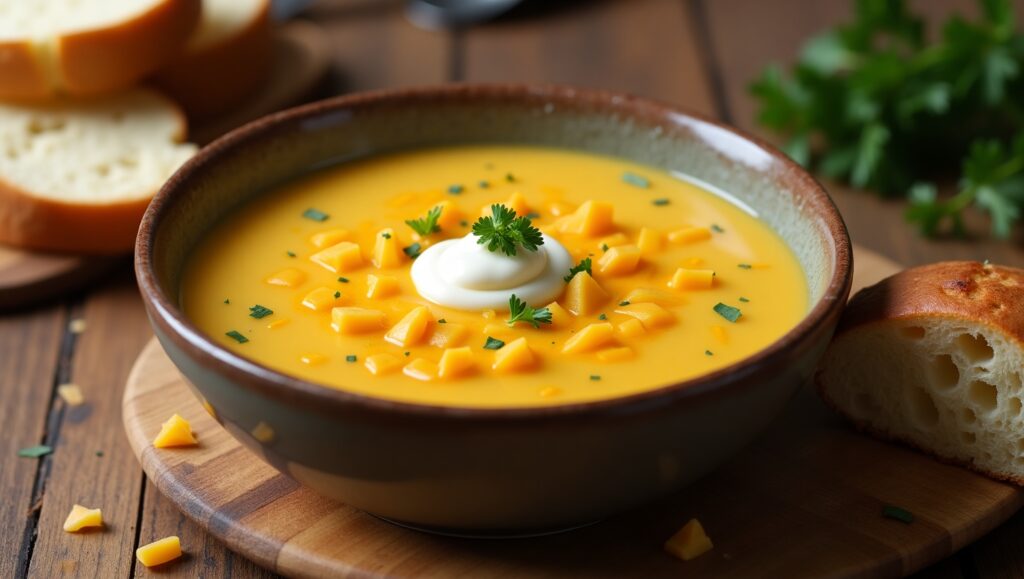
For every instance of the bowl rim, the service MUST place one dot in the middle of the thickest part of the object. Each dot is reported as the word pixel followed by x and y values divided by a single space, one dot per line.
pixel 282 387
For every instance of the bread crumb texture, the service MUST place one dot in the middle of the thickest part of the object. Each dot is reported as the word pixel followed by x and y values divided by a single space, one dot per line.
pixel 933 357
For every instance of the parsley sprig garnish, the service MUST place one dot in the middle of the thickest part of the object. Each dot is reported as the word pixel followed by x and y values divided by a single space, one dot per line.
pixel 505 232
pixel 520 311
pixel 426 225
pixel 582 266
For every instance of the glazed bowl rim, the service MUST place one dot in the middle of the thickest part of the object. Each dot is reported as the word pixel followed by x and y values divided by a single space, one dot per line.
pixel 283 387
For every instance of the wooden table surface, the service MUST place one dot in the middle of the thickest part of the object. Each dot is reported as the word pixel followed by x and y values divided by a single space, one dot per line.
pixel 698 54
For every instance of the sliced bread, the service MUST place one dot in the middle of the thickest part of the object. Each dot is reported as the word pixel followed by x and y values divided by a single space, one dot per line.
pixel 76 175
pixel 226 58
pixel 933 357
pixel 87 47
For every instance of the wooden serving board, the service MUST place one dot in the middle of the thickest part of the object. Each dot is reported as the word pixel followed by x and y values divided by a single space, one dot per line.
pixel 301 58
pixel 804 500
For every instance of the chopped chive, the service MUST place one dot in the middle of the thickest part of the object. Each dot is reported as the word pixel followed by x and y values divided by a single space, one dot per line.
pixel 604 247
pixel 315 215
pixel 343 279
pixel 455 189
pixel 464 223
pixel 595 377
pixel 259 312
pixel 894 512
pixel 413 250
pixel 36 451
pixel 728 312
pixel 744 266
pixel 660 202
pixel 442 321
pixel 227 301
pixel 624 303
pixel 337 295
pixel 99 453
pixel 386 235
pixel 236 336
pixel 510 177
pixel 351 358
pixel 533 215
pixel 635 180
pixel 493 344
pixel 602 317
pixel 407 352
pixel 716 228
pixel 484 184
pixel 290 253
pixel 708 353
pixel 744 300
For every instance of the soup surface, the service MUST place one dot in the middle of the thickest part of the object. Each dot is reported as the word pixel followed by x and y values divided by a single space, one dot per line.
pixel 313 279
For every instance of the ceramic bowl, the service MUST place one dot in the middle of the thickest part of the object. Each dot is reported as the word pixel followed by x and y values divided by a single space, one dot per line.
pixel 493 471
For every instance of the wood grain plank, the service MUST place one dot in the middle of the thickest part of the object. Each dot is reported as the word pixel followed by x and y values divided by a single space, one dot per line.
pixel 29 350
pixel 646 47
pixel 116 330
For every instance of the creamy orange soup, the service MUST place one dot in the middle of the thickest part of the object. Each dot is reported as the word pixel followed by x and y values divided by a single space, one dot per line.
pixel 313 279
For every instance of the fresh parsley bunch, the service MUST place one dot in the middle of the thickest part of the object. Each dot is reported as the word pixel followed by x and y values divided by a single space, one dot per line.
pixel 873 103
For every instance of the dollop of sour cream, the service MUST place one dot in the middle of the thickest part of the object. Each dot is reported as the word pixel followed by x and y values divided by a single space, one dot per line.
pixel 463 274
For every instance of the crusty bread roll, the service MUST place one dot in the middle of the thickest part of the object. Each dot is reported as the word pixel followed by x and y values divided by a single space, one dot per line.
pixel 933 357
pixel 226 59
pixel 76 175
pixel 87 47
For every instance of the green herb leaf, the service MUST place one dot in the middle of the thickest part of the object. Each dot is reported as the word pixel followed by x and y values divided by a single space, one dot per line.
pixel 595 377
pixel 602 317
pixel 36 451
pixel 426 225
pixel 351 358
pixel 635 180
pixel 343 279
pixel 519 311
pixel 484 184
pixel 413 250
pixel 315 215
pixel 744 300
pixel 386 235
pixel 290 253
pixel 503 231
pixel 442 321
pixel 717 228
pixel 744 266
pixel 583 265
pixel 728 312
pixel 455 189
pixel 660 202
pixel 259 312
pixel 708 353
pixel 227 301
pixel 493 344
pixel 237 336
pixel 510 177
pixel 624 303
pixel 337 295
pixel 894 512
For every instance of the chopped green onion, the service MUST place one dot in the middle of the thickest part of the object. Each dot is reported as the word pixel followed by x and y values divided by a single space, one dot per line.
pixel 484 184
pixel 510 177
pixel 36 451
pixel 602 317
pixel 660 202
pixel 744 300
pixel 442 321
pixel 716 228
pixel 236 336
pixel 455 189
pixel 227 301
pixel 744 266
pixel 708 353
pixel 595 377
pixel 493 344
pixel 337 295
pixel 624 303
pixel 604 247
pixel 728 312
pixel 315 215
pixel 413 250
pixel 290 253
pixel 343 279
pixel 635 180
pixel 259 312
pixel 407 353
pixel 351 358
pixel 386 235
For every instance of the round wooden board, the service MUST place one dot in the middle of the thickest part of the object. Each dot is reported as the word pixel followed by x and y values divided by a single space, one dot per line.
pixel 804 500
pixel 301 58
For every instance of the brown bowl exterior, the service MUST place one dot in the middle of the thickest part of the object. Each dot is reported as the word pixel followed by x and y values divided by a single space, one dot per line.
pixel 493 470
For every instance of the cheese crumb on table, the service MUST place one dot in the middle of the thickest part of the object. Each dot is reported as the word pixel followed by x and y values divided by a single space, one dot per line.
pixel 71 394
pixel 81 518
pixel 159 552
pixel 175 432
pixel 689 542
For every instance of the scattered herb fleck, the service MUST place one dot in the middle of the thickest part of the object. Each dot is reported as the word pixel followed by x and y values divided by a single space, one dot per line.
pixel 894 512
pixel 386 235
pixel 603 317
pixel 504 231
pixel 455 189
pixel 237 336
pixel 604 247
pixel 708 353
pixel 717 228
pixel 407 353
pixel 510 177
pixel 583 265
pixel 337 295
pixel 744 266
pixel 533 215
pixel 484 184
pixel 464 223
pixel 259 312
pixel 442 321
pixel 351 358
pixel 635 180
pixel 99 453
pixel 519 311
pixel 744 300
pixel 413 250
pixel 660 202
pixel 426 225
pixel 36 451
pixel 624 303
pixel 227 301
pixel 493 344
pixel 343 279
pixel 728 312
pixel 290 253
pixel 315 215
pixel 595 377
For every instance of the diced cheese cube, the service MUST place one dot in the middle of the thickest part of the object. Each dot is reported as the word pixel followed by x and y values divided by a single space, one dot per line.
pixel 631 328
pixel 689 542
pixel 450 216
pixel 381 364
pixel 590 338
pixel 340 257
pixel 591 219
pixel 620 260
pixel 387 250
pixel 175 432
pixel 71 394
pixel 560 317
pixel 329 237
pixel 159 552
pixel 650 315
pixel 312 359
pixel 449 335
pixel 288 277
pixel 352 320
pixel 421 369
pixel 81 518
pixel 615 354
pixel 583 295
pixel 693 279
pixel 410 329
pixel 613 240
pixel 649 241
pixel 381 286
pixel 514 357
pixel 689 235
pixel 644 295
pixel 262 432
pixel 321 299
pixel 456 362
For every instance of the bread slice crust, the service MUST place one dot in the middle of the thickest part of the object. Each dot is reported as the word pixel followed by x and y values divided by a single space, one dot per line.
pixel 981 298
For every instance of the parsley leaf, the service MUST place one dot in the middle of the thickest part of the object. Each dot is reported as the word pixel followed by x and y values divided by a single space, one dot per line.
pixel 259 312
pixel 520 311
pixel 583 266
pixel 413 251
pixel 493 344
pixel 504 231
pixel 426 225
